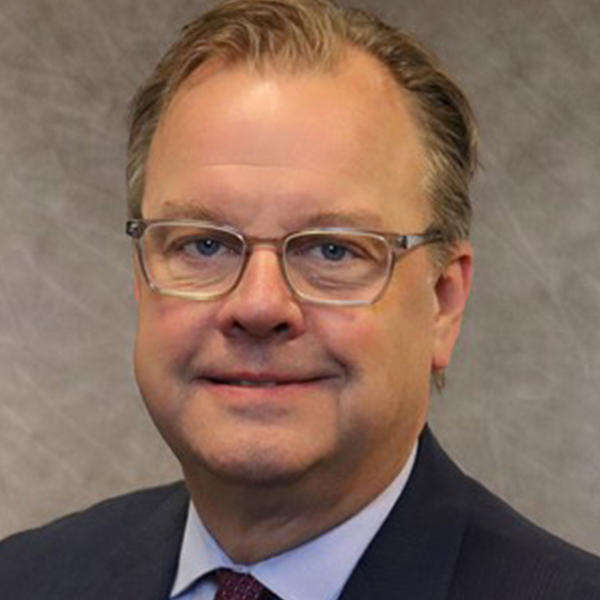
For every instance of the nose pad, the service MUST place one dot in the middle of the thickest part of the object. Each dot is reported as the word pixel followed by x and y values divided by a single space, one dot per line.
pixel 262 304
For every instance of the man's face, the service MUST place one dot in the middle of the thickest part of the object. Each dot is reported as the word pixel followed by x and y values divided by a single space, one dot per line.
pixel 329 393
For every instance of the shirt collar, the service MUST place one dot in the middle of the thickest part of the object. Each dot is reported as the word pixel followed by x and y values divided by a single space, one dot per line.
pixel 317 569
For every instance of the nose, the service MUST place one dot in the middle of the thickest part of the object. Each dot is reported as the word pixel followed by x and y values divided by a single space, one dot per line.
pixel 262 306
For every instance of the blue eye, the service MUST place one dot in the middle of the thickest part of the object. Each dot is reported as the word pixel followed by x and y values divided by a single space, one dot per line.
pixel 334 252
pixel 204 247
pixel 328 250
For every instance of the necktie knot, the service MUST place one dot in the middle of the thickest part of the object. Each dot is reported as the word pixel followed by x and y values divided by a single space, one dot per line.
pixel 237 586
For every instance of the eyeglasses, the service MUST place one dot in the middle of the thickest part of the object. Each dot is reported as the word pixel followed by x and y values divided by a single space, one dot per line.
pixel 340 266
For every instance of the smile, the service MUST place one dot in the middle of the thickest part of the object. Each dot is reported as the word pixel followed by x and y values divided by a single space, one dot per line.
pixel 264 380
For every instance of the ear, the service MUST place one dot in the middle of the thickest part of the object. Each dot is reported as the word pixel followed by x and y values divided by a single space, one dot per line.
pixel 452 288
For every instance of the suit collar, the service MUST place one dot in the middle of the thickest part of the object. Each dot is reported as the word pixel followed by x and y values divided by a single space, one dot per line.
pixel 414 553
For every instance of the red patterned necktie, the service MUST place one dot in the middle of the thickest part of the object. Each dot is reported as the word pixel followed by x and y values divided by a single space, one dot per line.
pixel 238 586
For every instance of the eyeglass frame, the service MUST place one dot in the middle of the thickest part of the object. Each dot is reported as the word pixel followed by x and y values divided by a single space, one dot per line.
pixel 398 244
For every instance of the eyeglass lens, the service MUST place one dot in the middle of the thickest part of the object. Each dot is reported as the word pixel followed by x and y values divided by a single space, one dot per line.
pixel 336 266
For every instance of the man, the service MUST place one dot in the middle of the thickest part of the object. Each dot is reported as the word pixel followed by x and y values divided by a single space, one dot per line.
pixel 298 191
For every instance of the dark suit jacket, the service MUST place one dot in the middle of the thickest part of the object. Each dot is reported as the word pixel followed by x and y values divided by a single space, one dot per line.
pixel 446 538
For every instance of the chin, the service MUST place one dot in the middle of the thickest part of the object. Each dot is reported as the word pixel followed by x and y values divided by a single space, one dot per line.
pixel 248 466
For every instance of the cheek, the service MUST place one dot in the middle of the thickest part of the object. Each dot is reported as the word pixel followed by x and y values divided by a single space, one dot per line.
pixel 166 345
pixel 382 340
pixel 386 349
pixel 167 336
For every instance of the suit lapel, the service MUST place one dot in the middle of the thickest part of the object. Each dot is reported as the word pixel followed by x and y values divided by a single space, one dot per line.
pixel 413 555
pixel 144 565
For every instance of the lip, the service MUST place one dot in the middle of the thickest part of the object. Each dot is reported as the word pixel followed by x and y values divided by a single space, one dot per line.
pixel 262 384
pixel 260 380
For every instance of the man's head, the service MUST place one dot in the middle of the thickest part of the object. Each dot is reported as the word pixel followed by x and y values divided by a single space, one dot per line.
pixel 287 123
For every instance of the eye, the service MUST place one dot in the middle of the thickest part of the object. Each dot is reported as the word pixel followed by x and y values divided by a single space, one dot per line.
pixel 201 247
pixel 333 251
pixel 204 245
pixel 328 250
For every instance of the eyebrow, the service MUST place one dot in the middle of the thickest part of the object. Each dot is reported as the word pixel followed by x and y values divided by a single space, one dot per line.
pixel 345 218
pixel 193 209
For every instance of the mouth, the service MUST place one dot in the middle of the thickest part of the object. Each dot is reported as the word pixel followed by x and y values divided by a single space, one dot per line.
pixel 263 395
pixel 261 381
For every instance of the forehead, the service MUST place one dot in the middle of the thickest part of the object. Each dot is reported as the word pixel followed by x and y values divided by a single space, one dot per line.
pixel 260 143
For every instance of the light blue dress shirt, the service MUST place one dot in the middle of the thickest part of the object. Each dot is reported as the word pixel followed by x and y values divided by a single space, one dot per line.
pixel 316 570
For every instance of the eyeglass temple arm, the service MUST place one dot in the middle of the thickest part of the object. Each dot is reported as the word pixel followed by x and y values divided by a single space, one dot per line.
pixel 406 242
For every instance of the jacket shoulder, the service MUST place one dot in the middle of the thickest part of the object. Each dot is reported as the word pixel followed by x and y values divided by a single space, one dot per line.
pixel 84 541
pixel 449 538
pixel 92 525
pixel 505 552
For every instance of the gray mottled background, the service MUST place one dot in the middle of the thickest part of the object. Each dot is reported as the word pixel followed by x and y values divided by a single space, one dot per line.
pixel 521 411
